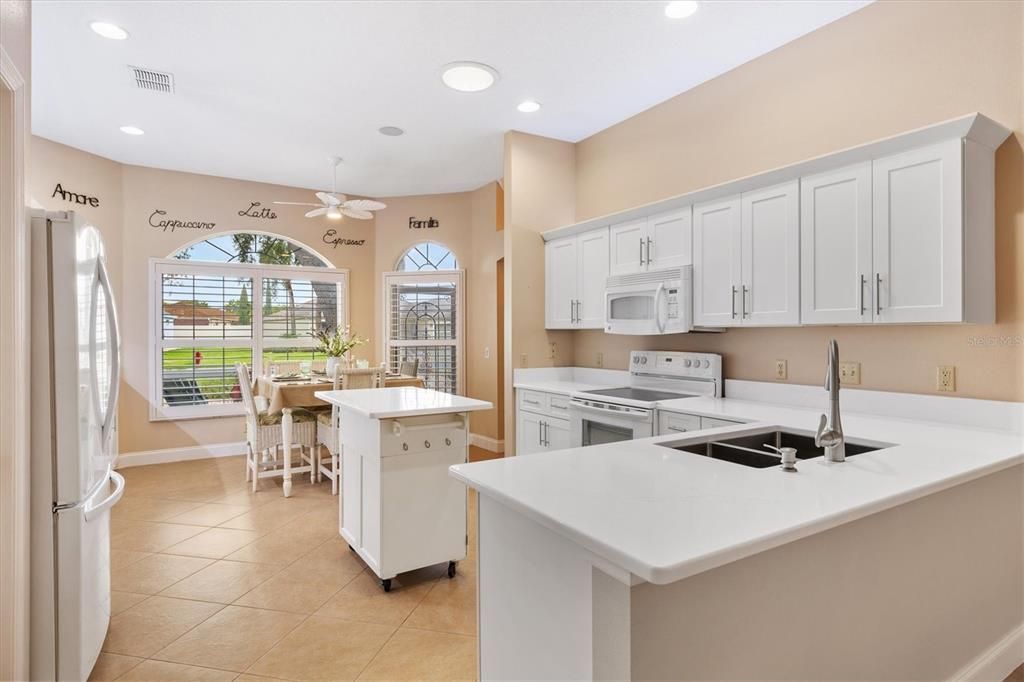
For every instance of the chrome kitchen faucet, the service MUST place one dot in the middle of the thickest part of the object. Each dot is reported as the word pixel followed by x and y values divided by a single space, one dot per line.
pixel 830 427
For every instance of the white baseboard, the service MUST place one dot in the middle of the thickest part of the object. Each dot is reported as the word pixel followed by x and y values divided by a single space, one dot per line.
pixel 487 443
pixel 999 661
pixel 133 459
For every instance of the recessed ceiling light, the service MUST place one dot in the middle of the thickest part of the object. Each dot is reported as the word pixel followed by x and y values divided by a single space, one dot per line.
pixel 391 131
pixel 528 106
pixel 108 30
pixel 468 76
pixel 680 9
pixel 132 130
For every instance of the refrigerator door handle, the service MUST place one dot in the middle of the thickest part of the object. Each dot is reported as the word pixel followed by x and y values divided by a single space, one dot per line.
pixel 93 511
pixel 114 386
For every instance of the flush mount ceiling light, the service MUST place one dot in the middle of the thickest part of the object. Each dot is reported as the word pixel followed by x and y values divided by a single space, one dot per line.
pixel 132 130
pixel 680 9
pixel 391 131
pixel 333 213
pixel 468 76
pixel 108 30
pixel 528 106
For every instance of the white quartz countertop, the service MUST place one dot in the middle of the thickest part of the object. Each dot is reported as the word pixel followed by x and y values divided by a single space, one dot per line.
pixel 665 515
pixel 408 401
pixel 568 380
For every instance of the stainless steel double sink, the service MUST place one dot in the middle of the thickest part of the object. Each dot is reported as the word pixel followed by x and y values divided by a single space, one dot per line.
pixel 749 449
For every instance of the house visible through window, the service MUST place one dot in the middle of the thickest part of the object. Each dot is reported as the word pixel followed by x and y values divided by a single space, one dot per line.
pixel 242 297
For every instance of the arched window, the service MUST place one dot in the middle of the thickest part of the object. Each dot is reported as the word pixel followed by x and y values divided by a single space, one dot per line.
pixel 250 247
pixel 427 256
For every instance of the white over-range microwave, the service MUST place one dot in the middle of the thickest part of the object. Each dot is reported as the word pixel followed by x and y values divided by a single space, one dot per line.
pixel 655 302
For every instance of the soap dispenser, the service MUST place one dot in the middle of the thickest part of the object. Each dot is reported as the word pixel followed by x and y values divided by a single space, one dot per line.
pixel 788 457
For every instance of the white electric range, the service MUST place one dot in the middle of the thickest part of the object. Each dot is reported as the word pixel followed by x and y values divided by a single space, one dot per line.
pixel 611 415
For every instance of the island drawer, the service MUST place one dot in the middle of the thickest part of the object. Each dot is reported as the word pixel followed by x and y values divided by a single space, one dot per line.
pixel 421 434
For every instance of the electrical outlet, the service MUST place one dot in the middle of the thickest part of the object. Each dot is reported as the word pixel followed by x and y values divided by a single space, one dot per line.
pixel 552 350
pixel 849 373
pixel 945 378
pixel 600 359
pixel 780 369
pixel 487 352
pixel 522 360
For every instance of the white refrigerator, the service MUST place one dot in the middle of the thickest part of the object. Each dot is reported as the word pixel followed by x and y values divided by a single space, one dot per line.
pixel 75 375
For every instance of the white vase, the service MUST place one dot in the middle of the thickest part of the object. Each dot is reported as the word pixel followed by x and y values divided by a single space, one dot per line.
pixel 332 363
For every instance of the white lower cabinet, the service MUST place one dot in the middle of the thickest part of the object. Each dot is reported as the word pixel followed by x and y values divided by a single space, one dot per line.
pixel 542 422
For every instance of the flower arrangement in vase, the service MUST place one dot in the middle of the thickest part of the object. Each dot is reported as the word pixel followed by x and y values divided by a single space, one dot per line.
pixel 336 344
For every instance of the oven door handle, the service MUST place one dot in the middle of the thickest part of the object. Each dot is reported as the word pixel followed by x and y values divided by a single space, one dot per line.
pixel 626 412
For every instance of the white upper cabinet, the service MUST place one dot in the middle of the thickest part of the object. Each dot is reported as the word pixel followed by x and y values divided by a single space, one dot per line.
pixel 716 263
pixel 770 247
pixel 654 242
pixel 628 247
pixel 591 278
pixel 836 273
pixel 560 260
pixel 669 238
pixel 918 244
pixel 575 270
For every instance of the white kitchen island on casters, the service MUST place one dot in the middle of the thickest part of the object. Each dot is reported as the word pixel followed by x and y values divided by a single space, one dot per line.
pixel 399 508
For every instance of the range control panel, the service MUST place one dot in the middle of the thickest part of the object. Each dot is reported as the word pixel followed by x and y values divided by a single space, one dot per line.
pixel 676 364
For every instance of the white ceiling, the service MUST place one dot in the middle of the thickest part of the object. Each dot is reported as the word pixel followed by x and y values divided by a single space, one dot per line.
pixel 267 90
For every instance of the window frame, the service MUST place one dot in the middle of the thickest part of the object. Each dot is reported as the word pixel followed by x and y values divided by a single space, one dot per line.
pixel 428 242
pixel 257 272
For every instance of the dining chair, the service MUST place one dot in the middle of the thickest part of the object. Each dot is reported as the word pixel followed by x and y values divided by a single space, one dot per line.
pixel 409 368
pixel 263 435
pixel 287 367
pixel 328 422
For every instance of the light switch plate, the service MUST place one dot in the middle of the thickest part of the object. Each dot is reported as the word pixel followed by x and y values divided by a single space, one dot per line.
pixel 849 373
pixel 600 359
pixel 487 352
pixel 522 360
pixel 945 378
pixel 780 369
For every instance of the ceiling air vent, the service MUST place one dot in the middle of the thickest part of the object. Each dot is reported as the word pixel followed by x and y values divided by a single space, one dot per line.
pixel 148 79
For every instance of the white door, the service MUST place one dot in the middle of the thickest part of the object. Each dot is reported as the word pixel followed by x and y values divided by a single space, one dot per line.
pixel 556 434
pixel 628 247
pixel 770 289
pixel 835 237
pixel 560 259
pixel 592 269
pixel 670 237
pixel 528 434
pixel 716 263
pixel 918 246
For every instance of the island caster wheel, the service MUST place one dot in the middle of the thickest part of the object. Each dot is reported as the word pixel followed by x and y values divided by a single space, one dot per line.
pixel 386 583
pixel 451 570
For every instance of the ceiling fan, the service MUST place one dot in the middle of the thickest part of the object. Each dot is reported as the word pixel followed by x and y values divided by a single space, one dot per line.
pixel 334 205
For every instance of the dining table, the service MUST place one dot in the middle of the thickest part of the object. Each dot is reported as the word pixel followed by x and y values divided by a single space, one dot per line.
pixel 285 393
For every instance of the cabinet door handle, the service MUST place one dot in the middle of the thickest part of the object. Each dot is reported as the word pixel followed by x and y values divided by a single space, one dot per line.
pixel 878 293
pixel 733 301
pixel 743 302
pixel 863 281
pixel 648 250
pixel 641 250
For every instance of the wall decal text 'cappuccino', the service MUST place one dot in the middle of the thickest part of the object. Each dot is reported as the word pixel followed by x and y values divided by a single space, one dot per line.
pixel 75 197
pixel 254 211
pixel 428 224
pixel 173 225
pixel 330 237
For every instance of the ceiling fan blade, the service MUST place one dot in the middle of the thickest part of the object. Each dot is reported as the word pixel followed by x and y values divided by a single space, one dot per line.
pixel 360 215
pixel 364 205
pixel 295 203
pixel 317 212
pixel 329 199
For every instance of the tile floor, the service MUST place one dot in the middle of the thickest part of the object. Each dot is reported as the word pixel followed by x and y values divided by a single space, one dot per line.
pixel 213 582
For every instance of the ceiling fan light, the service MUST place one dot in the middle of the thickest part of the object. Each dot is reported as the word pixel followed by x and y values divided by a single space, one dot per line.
pixel 333 213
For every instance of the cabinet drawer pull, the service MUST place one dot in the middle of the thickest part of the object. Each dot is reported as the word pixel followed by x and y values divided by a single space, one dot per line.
pixel 677 429
pixel 530 402
pixel 559 407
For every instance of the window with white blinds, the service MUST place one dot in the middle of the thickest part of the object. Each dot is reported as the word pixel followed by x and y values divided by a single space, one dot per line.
pixel 208 317
pixel 424 318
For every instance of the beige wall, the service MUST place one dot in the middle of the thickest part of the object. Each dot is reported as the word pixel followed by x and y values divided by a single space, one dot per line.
pixel 539 195
pixel 888 68
pixel 129 194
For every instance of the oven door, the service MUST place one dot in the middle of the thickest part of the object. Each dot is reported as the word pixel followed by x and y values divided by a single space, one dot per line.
pixel 593 423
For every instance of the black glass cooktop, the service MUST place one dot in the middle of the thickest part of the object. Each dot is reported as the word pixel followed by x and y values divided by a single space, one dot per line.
pixel 641 394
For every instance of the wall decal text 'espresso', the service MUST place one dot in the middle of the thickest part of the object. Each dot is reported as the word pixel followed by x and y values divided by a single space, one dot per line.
pixel 428 224
pixel 330 237
pixel 173 225
pixel 75 197
pixel 254 211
